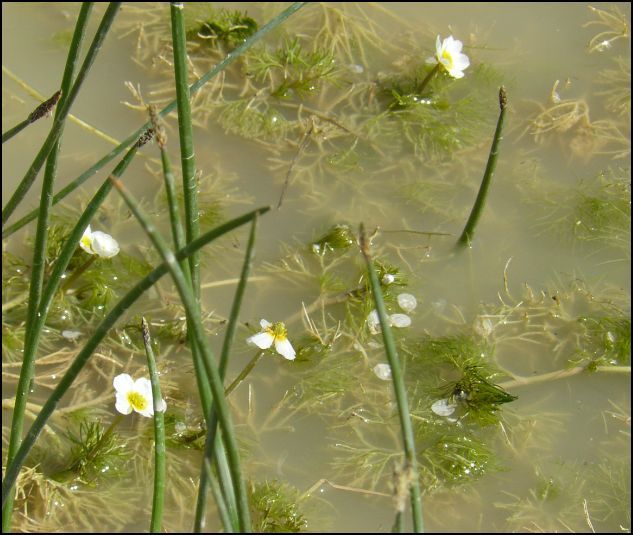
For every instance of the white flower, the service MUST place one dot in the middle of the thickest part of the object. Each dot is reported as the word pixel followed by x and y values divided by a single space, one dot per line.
pixel 388 278
pixel 443 408
pixel 99 243
pixel 395 320
pixel 448 54
pixel 373 322
pixel 273 333
pixel 407 302
pixel 383 371
pixel 399 320
pixel 135 395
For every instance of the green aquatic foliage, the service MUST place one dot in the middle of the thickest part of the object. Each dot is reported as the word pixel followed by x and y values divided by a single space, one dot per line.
pixel 290 70
pixel 339 238
pixel 452 459
pixel 251 120
pixel 223 26
pixel 596 210
pixel 449 116
pixel 182 434
pixel 602 210
pixel 96 453
pixel 607 341
pixel 476 396
pixel 275 508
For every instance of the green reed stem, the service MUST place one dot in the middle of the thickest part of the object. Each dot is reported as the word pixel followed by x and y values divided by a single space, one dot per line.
pixel 67 101
pixel 185 131
pixel 159 435
pixel 75 367
pixel 6 136
pixel 192 227
pixel 230 58
pixel 172 200
pixel 228 522
pixel 193 320
pixel 427 79
pixel 33 326
pixel 398 386
pixel 224 358
pixel 469 229
pixel 204 389
pixel 244 373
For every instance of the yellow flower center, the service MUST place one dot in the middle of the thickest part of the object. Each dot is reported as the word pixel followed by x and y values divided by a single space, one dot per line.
pixel 277 331
pixel 137 401
pixel 447 56
pixel 86 241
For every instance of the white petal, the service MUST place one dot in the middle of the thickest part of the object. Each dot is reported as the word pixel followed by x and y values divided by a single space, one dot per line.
pixel 143 386
pixel 373 322
pixel 261 340
pixel 407 302
pixel 122 404
pixel 383 371
pixel 161 406
pixel 123 383
pixel 400 320
pixel 265 324
pixel 104 245
pixel 71 335
pixel 148 412
pixel 285 349
pixel 443 408
pixel 388 278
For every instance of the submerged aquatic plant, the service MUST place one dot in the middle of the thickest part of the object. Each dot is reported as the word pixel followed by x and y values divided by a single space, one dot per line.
pixel 275 508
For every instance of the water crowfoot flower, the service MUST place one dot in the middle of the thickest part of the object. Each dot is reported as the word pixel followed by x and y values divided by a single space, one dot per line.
pixel 273 333
pixel 135 395
pixel 448 54
pixel 99 243
pixel 383 371
pixel 407 302
pixel 395 320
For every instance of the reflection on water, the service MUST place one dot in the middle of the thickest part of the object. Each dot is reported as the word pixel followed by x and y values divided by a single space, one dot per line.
pixel 328 119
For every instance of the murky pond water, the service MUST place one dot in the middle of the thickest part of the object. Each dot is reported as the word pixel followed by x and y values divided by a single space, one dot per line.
pixel 517 353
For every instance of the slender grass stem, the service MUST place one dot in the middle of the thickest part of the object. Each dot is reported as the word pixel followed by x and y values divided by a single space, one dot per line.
pixel 560 374
pixel 6 136
pixel 33 326
pixel 229 336
pixel 469 229
pixel 220 404
pixel 244 373
pixel 78 272
pixel 75 367
pixel 224 502
pixel 398 385
pixel 230 58
pixel 158 500
pixel 427 79
pixel 185 132
pixel 67 101
pixel 223 512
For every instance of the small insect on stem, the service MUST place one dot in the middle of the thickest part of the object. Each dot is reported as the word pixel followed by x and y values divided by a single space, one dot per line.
pixel 45 108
